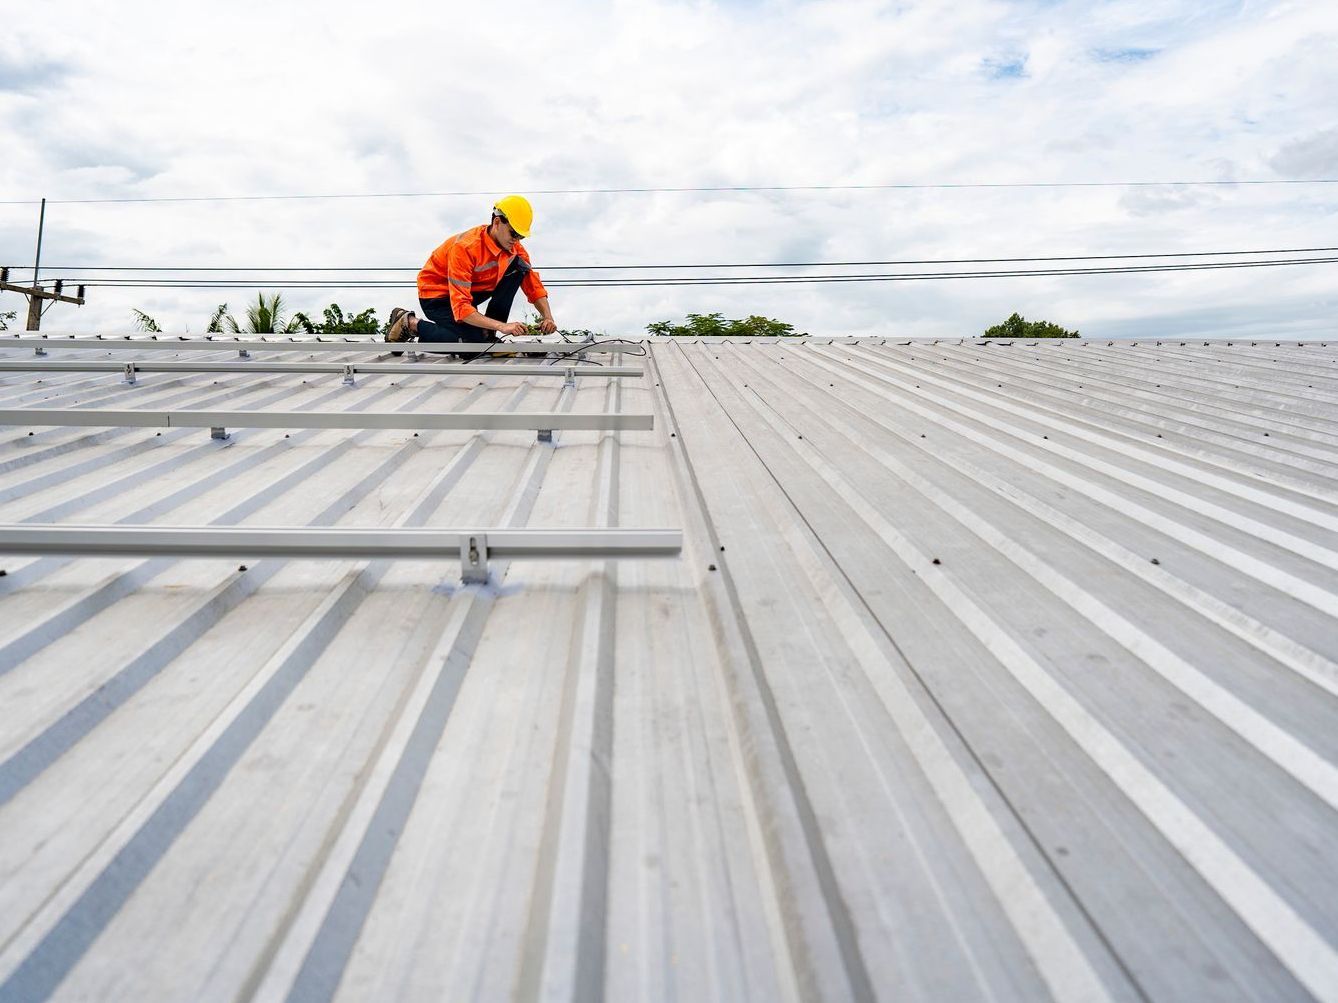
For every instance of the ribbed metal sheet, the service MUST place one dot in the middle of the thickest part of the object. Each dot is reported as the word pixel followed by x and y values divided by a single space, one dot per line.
pixel 989 671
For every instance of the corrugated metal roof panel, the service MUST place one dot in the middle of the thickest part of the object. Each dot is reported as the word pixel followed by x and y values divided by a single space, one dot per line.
pixel 988 672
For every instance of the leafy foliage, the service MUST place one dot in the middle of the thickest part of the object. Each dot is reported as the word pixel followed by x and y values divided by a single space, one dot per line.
pixel 264 316
pixel 6 317
pixel 715 325
pixel 337 322
pixel 1016 327
pixel 143 322
pixel 215 325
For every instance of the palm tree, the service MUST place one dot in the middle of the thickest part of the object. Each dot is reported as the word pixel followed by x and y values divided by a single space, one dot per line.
pixel 215 325
pixel 265 316
pixel 146 323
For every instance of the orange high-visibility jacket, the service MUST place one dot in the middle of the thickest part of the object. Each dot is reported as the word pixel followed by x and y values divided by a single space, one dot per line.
pixel 470 263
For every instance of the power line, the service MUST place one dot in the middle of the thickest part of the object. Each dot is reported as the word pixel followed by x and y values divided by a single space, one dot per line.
pixel 779 264
pixel 913 276
pixel 706 189
pixel 722 280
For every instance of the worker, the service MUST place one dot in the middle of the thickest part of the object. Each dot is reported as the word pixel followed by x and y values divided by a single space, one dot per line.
pixel 482 263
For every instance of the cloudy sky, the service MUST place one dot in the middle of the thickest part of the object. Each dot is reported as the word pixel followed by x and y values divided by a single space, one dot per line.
pixel 152 100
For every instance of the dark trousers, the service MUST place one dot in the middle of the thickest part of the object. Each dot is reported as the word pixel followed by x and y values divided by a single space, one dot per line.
pixel 437 321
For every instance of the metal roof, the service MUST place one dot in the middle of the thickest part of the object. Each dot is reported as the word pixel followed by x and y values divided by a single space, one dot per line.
pixel 988 671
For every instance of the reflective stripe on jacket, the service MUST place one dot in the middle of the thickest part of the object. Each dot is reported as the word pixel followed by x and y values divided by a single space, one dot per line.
pixel 468 265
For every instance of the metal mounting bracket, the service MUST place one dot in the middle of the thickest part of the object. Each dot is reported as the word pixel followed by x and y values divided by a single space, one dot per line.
pixel 128 374
pixel 218 433
pixel 474 559
pixel 569 377
pixel 243 354
pixel 39 350
pixel 587 340
pixel 348 376
pixel 410 355
pixel 545 435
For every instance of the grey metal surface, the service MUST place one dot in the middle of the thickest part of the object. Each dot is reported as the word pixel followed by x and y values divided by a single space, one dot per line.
pixel 304 542
pixel 147 418
pixel 281 343
pixel 152 366
pixel 989 672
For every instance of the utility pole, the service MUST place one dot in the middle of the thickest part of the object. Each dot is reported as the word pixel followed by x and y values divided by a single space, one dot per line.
pixel 35 292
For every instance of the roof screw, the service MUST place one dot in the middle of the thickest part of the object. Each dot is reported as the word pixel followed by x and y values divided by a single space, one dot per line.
pixel 710 567
pixel 241 567
pixel 937 561
pixel 1155 561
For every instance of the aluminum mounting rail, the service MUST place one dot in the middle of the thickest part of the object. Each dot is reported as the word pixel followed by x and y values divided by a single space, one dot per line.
pixel 244 345
pixel 129 370
pixel 472 547
pixel 218 421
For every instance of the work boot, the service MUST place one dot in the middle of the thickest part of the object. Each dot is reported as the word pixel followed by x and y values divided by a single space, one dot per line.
pixel 399 325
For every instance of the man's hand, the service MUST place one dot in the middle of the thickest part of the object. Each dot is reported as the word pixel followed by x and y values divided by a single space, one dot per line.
pixel 548 325
pixel 514 329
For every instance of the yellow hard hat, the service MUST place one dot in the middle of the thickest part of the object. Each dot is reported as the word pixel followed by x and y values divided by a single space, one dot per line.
pixel 517 212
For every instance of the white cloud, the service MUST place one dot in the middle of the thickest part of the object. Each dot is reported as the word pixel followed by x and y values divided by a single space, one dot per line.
pixel 152 99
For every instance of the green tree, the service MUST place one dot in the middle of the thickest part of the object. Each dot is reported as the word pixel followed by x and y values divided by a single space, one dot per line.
pixel 260 319
pixel 337 322
pixel 215 323
pixel 143 322
pixel 264 316
pixel 715 325
pixel 1016 327
pixel 6 317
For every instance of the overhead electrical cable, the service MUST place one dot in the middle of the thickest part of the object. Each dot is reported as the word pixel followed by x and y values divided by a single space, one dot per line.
pixel 722 280
pixel 758 264
pixel 716 265
pixel 688 190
